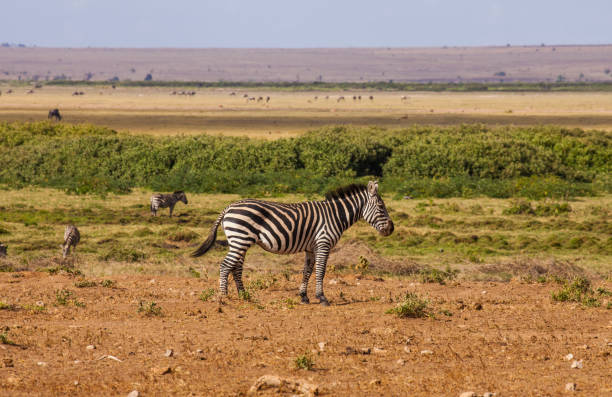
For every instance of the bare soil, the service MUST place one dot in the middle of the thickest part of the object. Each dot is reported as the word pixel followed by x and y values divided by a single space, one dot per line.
pixel 506 338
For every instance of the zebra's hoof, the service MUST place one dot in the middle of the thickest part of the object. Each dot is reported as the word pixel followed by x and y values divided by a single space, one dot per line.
pixel 323 301
pixel 305 299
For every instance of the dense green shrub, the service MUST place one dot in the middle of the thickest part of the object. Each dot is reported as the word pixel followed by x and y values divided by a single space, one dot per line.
pixel 422 161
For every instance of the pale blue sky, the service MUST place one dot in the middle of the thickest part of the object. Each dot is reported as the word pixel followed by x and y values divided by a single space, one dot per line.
pixel 309 23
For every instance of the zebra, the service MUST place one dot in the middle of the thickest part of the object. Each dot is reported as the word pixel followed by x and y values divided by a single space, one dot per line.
pixel 55 113
pixel 71 238
pixel 3 249
pixel 313 227
pixel 166 200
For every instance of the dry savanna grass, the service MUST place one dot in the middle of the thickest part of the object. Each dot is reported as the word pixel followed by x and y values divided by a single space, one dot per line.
pixel 153 110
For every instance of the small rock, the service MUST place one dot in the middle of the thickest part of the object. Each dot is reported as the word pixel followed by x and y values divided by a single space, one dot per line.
pixel 333 281
pixel 375 382
pixel 568 357
pixel 40 303
pixel 199 351
pixel 488 394
pixel 133 393
pixel 584 347
pixel 90 347
pixel 321 346
pixel 478 306
pixel 577 364
pixel 484 292
pixel 377 350
pixel 400 362
pixel 406 349
pixel 468 394
pixel 365 350
pixel 152 281
pixel 76 382
pixel 7 362
pixel 298 387
pixel 41 364
pixel 169 353
pixel 161 370
pixel 426 352
pixel 570 387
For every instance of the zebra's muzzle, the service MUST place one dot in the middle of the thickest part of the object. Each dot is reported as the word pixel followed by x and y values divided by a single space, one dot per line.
pixel 388 229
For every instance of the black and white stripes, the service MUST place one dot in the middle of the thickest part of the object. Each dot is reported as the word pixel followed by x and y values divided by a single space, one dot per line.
pixel 313 227
pixel 71 239
pixel 166 200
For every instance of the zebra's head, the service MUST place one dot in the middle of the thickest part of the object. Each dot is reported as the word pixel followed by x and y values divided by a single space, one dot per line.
pixel 180 195
pixel 375 212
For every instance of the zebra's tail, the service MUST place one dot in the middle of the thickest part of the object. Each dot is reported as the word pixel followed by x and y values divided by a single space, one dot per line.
pixel 206 245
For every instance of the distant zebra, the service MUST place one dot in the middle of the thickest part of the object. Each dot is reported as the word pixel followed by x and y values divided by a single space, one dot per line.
pixel 267 99
pixel 3 249
pixel 340 98
pixel 371 97
pixel 55 113
pixel 166 200
pixel 314 227
pixel 71 238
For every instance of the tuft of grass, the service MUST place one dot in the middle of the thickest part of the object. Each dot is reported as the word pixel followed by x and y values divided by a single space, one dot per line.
pixel 362 265
pixel 143 232
pixel 122 254
pixel 34 308
pixel 183 235
pixel 7 306
pixel 62 268
pixel 4 339
pixel 524 207
pixel 108 283
pixel 63 296
pixel 603 291
pixel 194 273
pixel 207 294
pixel 412 306
pixel 578 290
pixel 304 361
pixel 433 275
pixel 291 304
pixel 149 309
pixel 85 284
pixel 261 283
pixel 245 295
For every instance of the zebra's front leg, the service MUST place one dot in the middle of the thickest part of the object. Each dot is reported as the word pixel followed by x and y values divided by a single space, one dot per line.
pixel 171 209
pixel 308 266
pixel 321 263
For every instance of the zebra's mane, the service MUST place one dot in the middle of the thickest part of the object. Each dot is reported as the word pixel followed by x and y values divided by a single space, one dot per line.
pixel 178 192
pixel 344 191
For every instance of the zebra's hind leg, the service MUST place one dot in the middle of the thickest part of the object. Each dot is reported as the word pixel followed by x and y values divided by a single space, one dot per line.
pixel 308 267
pixel 231 263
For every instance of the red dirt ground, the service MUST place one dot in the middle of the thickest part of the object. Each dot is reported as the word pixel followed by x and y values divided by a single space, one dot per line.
pixel 513 346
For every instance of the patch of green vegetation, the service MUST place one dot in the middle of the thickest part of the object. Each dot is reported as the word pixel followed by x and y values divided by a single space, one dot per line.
pixel 523 207
pixel 183 235
pixel 304 361
pixel 433 275
pixel 578 290
pixel 63 296
pixel 85 284
pixel 149 309
pixel 290 303
pixel 62 268
pixel 194 273
pixel 4 339
pixel 411 306
pixel 4 231
pixel 245 295
pixel 123 254
pixel 6 268
pixel 108 283
pixel 7 306
pixel 207 294
pixel 143 232
pixel 34 308
pixel 261 283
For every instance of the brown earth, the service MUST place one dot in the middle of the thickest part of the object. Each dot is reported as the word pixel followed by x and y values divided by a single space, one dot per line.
pixel 507 338
pixel 520 63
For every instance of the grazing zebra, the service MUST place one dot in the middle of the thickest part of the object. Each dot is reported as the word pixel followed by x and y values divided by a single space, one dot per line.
pixel 166 200
pixel 71 238
pixel 314 227
pixel 340 98
pixel 267 99
pixel 55 113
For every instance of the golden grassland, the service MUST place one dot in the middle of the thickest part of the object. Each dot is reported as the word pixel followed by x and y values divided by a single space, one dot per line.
pixel 478 236
pixel 153 110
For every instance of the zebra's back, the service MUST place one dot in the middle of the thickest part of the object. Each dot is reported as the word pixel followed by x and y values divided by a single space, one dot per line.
pixel 71 235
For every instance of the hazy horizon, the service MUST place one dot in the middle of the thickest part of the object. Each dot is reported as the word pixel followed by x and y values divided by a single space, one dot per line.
pixel 316 24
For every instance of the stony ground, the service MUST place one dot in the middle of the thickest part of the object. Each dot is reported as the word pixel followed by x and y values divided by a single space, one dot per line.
pixel 108 338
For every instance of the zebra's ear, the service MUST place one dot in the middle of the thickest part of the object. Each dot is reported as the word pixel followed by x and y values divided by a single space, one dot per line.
pixel 373 187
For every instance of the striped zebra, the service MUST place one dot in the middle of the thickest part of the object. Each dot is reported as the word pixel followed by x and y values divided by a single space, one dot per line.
pixel 71 238
pixel 166 200
pixel 314 227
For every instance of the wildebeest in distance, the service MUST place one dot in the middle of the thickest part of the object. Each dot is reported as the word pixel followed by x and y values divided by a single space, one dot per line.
pixel 55 114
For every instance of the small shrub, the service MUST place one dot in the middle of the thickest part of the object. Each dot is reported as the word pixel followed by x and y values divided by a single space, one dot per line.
pixel 603 291
pixel 108 283
pixel 85 284
pixel 207 294
pixel 34 308
pixel 304 361
pixel 149 309
pixel 122 254
pixel 433 275
pixel 553 209
pixel 261 283
pixel 363 264
pixel 412 306
pixel 579 290
pixel 291 304
pixel 520 207
pixel 62 297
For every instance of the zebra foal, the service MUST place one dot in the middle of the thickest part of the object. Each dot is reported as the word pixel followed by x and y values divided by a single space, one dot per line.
pixel 313 227
pixel 71 239
pixel 166 200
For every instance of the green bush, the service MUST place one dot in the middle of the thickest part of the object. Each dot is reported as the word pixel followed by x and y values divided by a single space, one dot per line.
pixel 411 306
pixel 421 161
